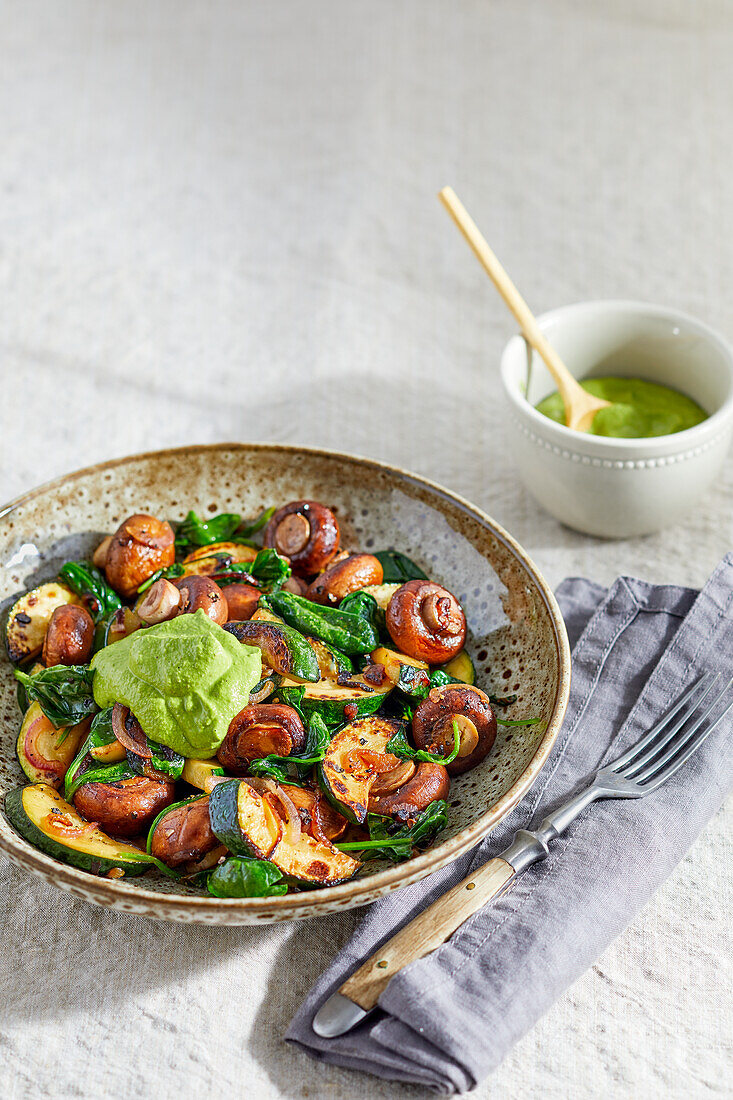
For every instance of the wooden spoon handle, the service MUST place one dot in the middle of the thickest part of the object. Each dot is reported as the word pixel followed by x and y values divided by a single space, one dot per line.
pixel 565 382
pixel 427 931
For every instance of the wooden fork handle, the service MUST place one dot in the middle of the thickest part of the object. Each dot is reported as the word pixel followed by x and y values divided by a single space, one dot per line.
pixel 422 935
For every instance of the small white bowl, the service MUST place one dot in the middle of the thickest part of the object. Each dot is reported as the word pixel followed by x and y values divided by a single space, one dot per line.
pixel 611 487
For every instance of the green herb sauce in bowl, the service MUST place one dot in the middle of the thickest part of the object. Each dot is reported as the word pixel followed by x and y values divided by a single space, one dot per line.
pixel 638 409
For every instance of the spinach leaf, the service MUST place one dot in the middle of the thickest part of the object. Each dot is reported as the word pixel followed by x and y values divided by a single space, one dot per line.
pixel 269 569
pixel 63 692
pixel 401 747
pixel 171 571
pixel 239 877
pixel 250 529
pixel 227 527
pixel 419 689
pixel 89 583
pixel 366 607
pixel 398 569
pixel 194 531
pixel 286 769
pixel 387 842
pixel 101 773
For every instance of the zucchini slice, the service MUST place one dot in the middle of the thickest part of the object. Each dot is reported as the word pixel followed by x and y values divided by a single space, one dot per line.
pixel 46 821
pixel 114 752
pixel 197 772
pixel 29 617
pixel 406 673
pixel 330 699
pixel 44 752
pixel 345 786
pixel 21 694
pixel 460 668
pixel 331 661
pixel 243 820
pixel 312 862
pixel 204 560
pixel 284 649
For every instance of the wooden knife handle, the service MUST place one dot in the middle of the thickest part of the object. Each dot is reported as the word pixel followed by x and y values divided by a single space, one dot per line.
pixel 427 931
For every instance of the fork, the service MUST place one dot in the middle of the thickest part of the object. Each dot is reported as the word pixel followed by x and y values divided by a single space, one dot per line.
pixel 639 771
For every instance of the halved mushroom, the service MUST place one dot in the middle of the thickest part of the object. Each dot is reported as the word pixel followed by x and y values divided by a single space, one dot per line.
pixel 202 594
pixel 260 729
pixel 424 785
pixel 184 835
pixel 348 575
pixel 69 637
pixel 125 807
pixel 141 545
pixel 426 621
pixel 242 601
pixel 306 532
pixel 432 725
pixel 161 602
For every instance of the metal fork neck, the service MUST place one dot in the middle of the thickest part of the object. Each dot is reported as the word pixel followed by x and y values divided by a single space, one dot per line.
pixel 530 847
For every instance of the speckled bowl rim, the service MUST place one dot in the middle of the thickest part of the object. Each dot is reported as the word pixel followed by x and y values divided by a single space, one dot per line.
pixel 106 891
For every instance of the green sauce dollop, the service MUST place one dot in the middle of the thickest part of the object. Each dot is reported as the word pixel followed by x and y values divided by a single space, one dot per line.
pixel 184 681
pixel 639 410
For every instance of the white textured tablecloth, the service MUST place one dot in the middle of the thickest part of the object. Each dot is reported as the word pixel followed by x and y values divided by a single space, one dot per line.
pixel 218 221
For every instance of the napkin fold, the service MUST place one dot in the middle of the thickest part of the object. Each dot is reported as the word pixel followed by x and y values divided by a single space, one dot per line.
pixel 447 1020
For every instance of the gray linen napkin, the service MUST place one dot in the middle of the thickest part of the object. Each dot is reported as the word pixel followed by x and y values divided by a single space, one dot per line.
pixel 445 1021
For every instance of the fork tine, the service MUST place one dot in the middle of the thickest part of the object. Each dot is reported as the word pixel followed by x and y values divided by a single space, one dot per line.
pixel 687 742
pixel 653 733
pixel 632 769
pixel 664 775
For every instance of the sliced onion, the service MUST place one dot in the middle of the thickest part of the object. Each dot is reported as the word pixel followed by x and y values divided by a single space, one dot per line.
pixel 391 781
pixel 131 738
pixel 264 693
pixel 293 827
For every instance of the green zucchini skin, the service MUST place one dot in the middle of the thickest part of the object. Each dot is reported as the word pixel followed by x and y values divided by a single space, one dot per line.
pixel 283 648
pixel 85 861
pixel 332 710
pixel 349 633
pixel 224 817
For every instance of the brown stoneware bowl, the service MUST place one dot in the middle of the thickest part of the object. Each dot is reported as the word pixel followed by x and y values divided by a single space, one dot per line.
pixel 516 633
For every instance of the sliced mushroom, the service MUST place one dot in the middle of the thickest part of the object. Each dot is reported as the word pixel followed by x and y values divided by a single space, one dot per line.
pixel 126 807
pixel 161 602
pixel 427 783
pixel 426 621
pixel 306 532
pixel 432 725
pixel 260 729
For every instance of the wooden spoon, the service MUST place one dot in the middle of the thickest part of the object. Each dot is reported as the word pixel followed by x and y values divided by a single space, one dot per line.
pixel 580 406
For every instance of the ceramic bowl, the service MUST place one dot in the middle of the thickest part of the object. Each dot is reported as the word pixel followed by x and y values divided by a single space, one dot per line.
pixel 621 487
pixel 517 636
